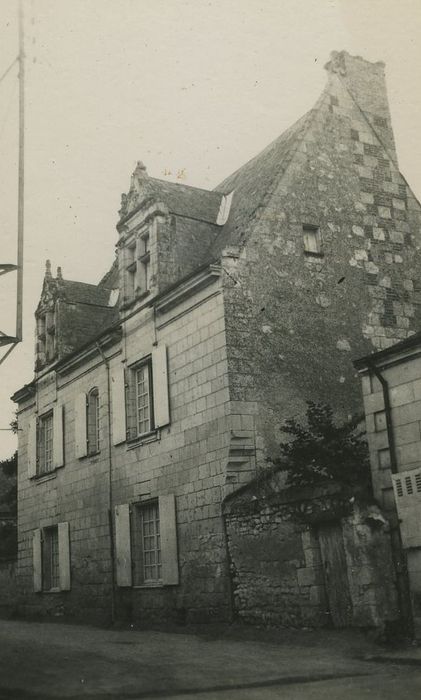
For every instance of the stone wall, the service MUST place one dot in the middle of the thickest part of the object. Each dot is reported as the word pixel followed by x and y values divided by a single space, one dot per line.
pixel 276 563
pixel 188 458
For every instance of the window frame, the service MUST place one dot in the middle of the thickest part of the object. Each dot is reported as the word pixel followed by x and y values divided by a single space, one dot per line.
pixel 95 449
pixel 133 422
pixel 138 548
pixel 50 539
pixel 42 466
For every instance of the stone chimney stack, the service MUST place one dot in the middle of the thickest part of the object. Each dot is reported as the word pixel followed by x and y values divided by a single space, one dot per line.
pixel 366 83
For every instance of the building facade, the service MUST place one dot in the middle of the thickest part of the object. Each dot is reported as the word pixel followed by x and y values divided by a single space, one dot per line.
pixel 163 388
pixel 391 381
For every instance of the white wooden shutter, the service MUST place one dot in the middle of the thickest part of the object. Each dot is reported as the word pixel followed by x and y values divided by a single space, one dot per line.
pixel 122 545
pixel 81 437
pixel 64 556
pixel 160 386
pixel 37 560
pixel 31 447
pixel 118 401
pixel 168 529
pixel 58 446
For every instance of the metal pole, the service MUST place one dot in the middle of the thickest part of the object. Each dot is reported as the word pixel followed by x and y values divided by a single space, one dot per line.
pixel 19 284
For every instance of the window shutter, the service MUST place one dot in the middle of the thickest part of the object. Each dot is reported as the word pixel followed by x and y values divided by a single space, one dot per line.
pixel 168 529
pixel 118 400
pixel 81 437
pixel 58 446
pixel 32 447
pixel 122 545
pixel 37 560
pixel 160 386
pixel 64 556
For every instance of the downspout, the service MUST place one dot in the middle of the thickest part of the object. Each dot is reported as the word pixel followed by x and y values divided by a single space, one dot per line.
pixel 399 554
pixel 110 483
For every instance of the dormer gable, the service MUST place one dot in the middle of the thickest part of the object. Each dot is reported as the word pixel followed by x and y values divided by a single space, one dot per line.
pixel 70 314
pixel 165 232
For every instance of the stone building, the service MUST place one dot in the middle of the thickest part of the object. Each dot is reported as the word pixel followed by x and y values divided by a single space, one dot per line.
pixel 162 389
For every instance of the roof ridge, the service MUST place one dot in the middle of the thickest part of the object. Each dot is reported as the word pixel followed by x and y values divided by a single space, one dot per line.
pixel 182 184
pixel 266 148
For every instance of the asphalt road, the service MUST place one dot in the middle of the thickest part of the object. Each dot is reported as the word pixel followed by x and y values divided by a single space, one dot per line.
pixel 45 661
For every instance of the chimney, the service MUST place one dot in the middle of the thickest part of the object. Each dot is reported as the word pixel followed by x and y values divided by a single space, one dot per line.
pixel 366 83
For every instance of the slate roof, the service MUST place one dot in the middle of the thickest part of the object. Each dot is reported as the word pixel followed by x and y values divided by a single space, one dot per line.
pixel 254 182
pixel 83 293
pixel 184 200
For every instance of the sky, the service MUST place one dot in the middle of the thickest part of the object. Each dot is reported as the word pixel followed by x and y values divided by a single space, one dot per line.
pixel 193 88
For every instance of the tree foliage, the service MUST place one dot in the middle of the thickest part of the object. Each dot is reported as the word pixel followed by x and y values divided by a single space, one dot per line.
pixel 8 504
pixel 320 450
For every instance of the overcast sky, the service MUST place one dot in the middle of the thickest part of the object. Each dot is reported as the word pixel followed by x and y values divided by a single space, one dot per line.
pixel 191 87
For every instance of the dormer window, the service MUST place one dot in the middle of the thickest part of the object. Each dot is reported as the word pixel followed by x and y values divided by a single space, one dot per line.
pixel 131 269
pixel 46 337
pixel 137 256
pixel 144 258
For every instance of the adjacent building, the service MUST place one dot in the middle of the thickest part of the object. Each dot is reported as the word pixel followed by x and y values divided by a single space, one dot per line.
pixel 162 389
pixel 391 381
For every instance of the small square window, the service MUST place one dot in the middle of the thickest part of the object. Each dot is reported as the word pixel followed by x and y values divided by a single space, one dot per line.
pixel 312 241
pixel 147 544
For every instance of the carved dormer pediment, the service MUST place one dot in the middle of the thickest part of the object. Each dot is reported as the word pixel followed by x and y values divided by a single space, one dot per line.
pixel 140 188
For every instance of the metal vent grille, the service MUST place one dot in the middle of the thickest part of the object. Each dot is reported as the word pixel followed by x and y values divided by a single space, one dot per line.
pixel 399 489
pixel 408 484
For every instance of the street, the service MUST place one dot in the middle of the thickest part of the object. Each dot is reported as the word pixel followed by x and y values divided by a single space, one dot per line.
pixel 44 661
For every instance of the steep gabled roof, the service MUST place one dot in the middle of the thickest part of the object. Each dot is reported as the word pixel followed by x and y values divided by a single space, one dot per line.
pixel 254 182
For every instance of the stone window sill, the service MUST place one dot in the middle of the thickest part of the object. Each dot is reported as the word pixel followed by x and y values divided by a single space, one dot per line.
pixel 140 440
pixel 40 478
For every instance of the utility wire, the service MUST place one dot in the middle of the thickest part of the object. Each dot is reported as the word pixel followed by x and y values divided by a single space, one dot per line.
pixel 7 71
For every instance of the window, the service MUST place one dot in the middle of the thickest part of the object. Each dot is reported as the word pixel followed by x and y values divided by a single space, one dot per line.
pixel 140 398
pixel 143 263
pixel 131 269
pixel 45 443
pixel 146 560
pixel 92 418
pixel 50 560
pixel 146 543
pixel 137 255
pixel 46 337
pixel 312 240
pixel 143 399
